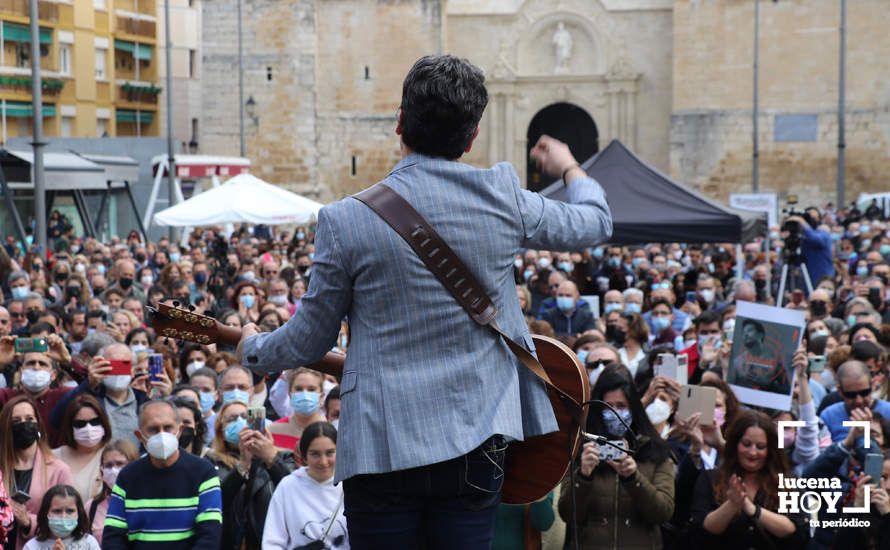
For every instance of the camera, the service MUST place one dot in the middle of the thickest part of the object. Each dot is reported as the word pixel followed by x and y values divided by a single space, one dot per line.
pixel 792 252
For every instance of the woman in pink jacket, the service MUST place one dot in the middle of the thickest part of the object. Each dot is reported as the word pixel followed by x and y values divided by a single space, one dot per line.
pixel 29 467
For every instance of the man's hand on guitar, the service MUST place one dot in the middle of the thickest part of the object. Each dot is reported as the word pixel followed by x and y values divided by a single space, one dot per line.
pixel 247 331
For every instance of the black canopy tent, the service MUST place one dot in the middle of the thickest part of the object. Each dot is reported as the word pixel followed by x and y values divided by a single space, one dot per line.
pixel 647 206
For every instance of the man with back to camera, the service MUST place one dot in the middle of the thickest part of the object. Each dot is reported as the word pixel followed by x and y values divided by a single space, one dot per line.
pixel 427 395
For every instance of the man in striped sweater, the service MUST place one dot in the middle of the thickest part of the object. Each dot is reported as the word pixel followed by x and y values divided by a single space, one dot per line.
pixel 168 499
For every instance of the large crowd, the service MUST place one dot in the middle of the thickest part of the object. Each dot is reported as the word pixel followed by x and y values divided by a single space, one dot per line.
pixel 207 454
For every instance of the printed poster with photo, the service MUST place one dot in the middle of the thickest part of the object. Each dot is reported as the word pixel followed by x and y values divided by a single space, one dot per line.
pixel 763 345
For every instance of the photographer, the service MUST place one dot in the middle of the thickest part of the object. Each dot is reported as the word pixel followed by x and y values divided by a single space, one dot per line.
pixel 815 244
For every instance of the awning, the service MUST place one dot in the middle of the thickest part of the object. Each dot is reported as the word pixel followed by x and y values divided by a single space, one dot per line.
pixel 63 171
pixel 13 32
pixel 25 110
pixel 118 169
pixel 144 117
pixel 139 51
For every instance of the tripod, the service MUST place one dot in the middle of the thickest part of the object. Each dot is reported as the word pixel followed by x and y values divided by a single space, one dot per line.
pixel 797 268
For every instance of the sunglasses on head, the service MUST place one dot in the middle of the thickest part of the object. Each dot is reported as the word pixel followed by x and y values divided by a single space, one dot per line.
pixel 853 394
pixel 83 423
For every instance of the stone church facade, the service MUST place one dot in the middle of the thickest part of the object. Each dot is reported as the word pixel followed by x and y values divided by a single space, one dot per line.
pixel 666 77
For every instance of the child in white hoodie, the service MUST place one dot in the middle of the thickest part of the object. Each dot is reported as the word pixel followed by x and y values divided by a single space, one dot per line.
pixel 307 508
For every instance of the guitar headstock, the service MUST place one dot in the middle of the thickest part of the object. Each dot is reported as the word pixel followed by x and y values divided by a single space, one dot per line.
pixel 179 322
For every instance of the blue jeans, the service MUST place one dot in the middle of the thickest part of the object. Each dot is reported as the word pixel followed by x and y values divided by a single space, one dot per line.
pixel 448 505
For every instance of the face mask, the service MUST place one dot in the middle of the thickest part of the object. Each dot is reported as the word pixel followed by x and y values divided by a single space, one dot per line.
pixel 137 348
pixel 193 366
pixel 819 333
pixel 544 263
pixel 614 262
pixel 73 291
pixel 174 257
pixel 125 282
pixel 774 236
pixel 304 403
pixel 162 445
pixel 759 284
pixel 300 235
pixel 278 300
pixel 80 268
pixel 200 278
pixel 35 380
pixel 19 292
pixel 632 307
pixel 851 320
pixel 117 382
pixel 636 262
pixel 101 269
pixel 32 316
pixel 885 249
pixel 613 306
pixel 677 254
pixel 719 417
pixel 147 280
pixel 249 275
pixel 24 434
pixel 327 386
pixel 661 323
pixel 658 411
pixel 818 308
pixel 565 303
pixel 335 423
pixel 207 401
pixel 62 527
pixel 518 263
pixel 614 426
pixel 528 275
pixel 236 395
pixel 598 253
pixel 233 431
pixel 109 475
pixel 186 437
pixel 61 278
pixel 790 436
pixel 862 271
pixel 617 335
pixel 247 300
pixel 140 258
pixel 568 267
pixel 582 355
pixel 89 436
pixel 711 339
pixel 689 342
pixel 707 295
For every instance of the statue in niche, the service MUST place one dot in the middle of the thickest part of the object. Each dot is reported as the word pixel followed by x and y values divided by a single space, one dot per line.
pixel 562 42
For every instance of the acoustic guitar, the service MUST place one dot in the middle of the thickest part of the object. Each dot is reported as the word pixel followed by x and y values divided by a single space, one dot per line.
pixel 533 467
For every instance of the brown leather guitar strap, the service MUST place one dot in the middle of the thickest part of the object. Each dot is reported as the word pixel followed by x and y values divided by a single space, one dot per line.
pixel 445 264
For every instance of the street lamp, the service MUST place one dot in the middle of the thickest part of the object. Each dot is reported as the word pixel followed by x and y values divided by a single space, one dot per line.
pixel 250 109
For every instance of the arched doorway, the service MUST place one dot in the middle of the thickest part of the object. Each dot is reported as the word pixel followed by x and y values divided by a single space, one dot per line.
pixel 565 122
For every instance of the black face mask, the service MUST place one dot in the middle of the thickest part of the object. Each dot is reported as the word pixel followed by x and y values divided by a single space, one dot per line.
pixel 73 291
pixel 32 315
pixel 125 282
pixel 614 334
pixel 818 308
pixel 759 284
pixel 302 268
pixel 186 437
pixel 24 434
pixel 140 258
pixel 61 277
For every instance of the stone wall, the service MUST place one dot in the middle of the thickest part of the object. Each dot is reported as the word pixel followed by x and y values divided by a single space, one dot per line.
pixel 711 128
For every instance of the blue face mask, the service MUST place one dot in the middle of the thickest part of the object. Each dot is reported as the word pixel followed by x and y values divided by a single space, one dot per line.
pixel 233 430
pixel 304 403
pixel 661 323
pixel 527 274
pixel 582 356
pixel 614 261
pixel 207 401
pixel 174 257
pixel 19 292
pixel 236 395
pixel 632 308
pixel 613 306
pixel 613 425
pixel 851 320
pixel 862 271
pixel 885 249
pixel 247 300
pixel 300 235
pixel 566 266
pixel 62 527
pixel 597 252
pixel 636 262
pixel 565 303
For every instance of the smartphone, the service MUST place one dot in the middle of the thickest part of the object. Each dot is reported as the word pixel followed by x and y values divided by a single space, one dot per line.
pixel 256 418
pixel 608 452
pixel 695 399
pixel 120 367
pixel 727 334
pixel 690 296
pixel 21 496
pixel 26 345
pixel 155 367
pixel 874 296
pixel 683 369
pixel 669 366
pixel 874 467
pixel 816 363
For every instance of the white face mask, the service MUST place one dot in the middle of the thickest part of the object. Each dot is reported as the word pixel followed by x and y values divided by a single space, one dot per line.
pixel 193 366
pixel 89 436
pixel 336 423
pixel 35 380
pixel 117 382
pixel 162 445
pixel 658 411
pixel 278 300
pixel 707 294
pixel 147 280
pixel 327 386
pixel 109 475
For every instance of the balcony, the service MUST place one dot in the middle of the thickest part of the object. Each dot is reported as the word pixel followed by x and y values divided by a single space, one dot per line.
pixel 141 93
pixel 141 7
pixel 46 11
pixel 136 27
pixel 22 84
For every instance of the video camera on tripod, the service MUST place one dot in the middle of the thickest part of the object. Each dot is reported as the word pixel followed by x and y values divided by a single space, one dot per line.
pixel 791 254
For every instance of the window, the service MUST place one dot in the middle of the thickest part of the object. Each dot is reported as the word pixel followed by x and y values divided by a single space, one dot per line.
pixel 23 55
pixel 67 129
pixel 101 127
pixel 101 54
pixel 100 4
pixel 65 60
pixel 193 67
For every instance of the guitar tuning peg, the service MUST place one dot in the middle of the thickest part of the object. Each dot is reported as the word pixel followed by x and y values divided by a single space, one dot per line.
pixel 176 303
pixel 191 307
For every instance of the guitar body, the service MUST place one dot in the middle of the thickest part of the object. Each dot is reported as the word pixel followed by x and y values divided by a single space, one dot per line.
pixel 535 466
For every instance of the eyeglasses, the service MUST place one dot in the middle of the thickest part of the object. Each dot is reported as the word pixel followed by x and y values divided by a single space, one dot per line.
pixel 852 394
pixel 83 423
pixel 590 365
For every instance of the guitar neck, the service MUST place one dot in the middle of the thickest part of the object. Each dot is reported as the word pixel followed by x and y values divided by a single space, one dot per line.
pixel 331 363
